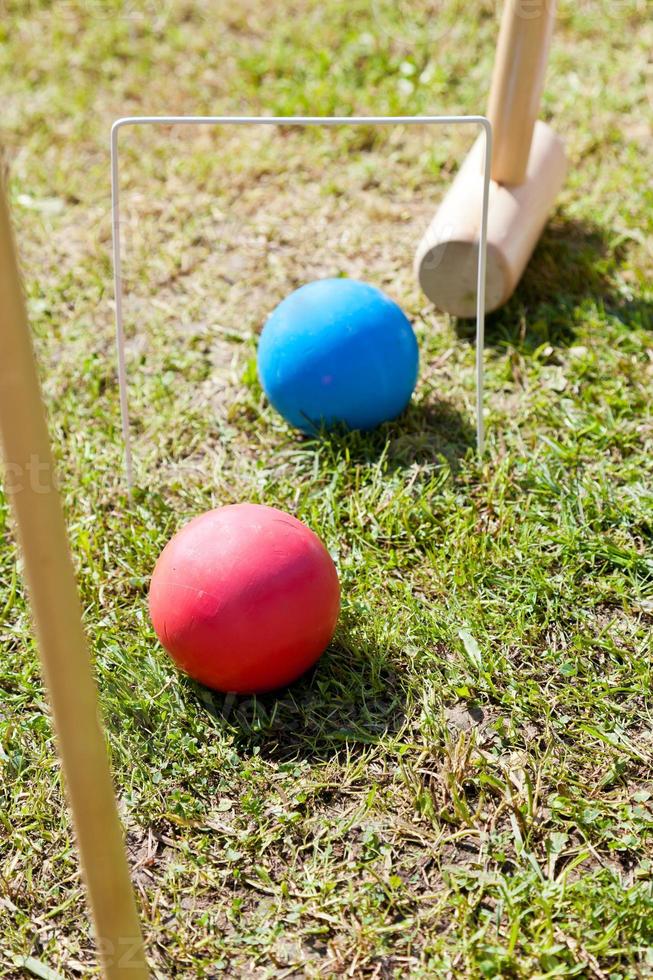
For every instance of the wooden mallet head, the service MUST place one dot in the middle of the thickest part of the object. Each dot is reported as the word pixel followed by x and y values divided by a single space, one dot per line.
pixel 528 169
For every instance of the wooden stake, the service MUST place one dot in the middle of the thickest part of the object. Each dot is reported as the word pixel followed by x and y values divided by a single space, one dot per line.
pixel 30 483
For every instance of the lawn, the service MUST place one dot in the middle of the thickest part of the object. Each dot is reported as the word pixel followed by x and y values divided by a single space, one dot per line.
pixel 463 786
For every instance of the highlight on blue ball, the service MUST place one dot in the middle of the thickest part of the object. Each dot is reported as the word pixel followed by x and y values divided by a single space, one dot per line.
pixel 338 351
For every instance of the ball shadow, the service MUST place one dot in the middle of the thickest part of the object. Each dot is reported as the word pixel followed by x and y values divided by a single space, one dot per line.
pixel 574 261
pixel 350 700
pixel 429 429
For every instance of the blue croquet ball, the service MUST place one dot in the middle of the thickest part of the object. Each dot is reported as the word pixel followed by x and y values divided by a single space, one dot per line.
pixel 337 351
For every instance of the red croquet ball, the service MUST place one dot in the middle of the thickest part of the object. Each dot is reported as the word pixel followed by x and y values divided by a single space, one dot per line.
pixel 244 598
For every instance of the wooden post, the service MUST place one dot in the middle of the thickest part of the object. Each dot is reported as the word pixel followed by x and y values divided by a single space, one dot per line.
pixel 30 483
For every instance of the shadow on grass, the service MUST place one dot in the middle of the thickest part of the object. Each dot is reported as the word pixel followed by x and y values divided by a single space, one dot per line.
pixel 351 699
pixel 431 428
pixel 427 430
pixel 574 262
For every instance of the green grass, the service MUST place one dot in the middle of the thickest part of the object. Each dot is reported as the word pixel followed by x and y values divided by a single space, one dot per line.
pixel 463 785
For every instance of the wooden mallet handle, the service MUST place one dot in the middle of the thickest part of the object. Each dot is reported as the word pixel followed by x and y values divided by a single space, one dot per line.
pixel 517 82
pixel 66 665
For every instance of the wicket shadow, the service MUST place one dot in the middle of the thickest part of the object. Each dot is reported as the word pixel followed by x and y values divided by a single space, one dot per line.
pixel 350 699
pixel 574 261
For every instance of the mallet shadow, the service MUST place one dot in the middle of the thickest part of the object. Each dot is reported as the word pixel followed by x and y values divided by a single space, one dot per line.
pixel 574 261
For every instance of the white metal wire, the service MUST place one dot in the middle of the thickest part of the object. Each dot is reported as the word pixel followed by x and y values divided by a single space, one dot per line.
pixel 481 121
